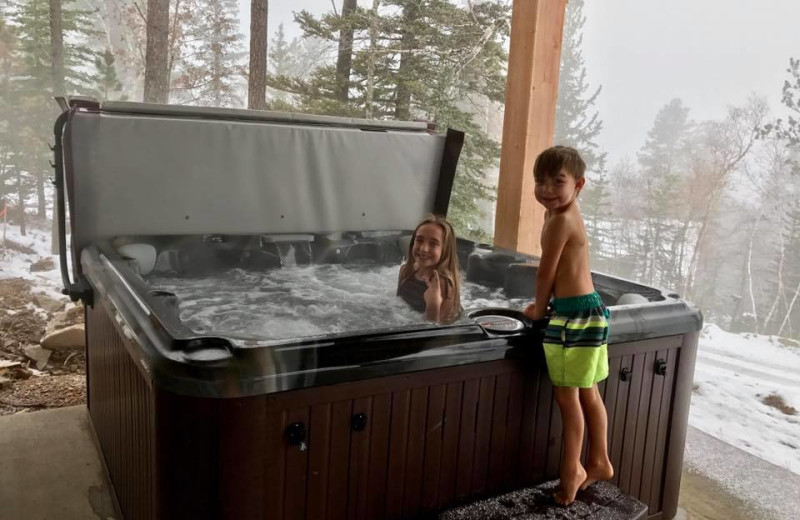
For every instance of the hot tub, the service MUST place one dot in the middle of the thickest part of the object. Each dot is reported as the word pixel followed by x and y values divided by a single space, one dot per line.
pixel 247 357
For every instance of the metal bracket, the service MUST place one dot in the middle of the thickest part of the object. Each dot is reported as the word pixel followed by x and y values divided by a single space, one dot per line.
pixel 625 373
pixel 81 290
pixel 661 367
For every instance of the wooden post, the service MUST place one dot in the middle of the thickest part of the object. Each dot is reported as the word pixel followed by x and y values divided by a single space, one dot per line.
pixel 537 27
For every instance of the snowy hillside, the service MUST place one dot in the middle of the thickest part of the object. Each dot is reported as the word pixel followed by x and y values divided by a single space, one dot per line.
pixel 736 376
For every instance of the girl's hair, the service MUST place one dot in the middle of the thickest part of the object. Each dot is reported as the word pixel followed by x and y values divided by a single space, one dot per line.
pixel 447 267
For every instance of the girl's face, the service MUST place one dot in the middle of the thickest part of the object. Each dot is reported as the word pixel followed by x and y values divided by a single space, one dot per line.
pixel 427 248
pixel 557 192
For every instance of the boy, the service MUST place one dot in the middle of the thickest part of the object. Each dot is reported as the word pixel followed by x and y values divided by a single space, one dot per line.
pixel 575 343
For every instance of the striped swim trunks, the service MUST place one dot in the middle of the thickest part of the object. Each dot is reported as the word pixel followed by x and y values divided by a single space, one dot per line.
pixel 576 341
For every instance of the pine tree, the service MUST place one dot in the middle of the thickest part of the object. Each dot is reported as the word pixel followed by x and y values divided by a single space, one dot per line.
pixel 8 152
pixel 596 204
pixel 280 54
pixel 211 71
pixel 663 165
pixel 29 88
pixel 30 18
pixel 425 59
pixel 290 60
pixel 109 86
pixel 790 128
pixel 577 122
pixel 578 125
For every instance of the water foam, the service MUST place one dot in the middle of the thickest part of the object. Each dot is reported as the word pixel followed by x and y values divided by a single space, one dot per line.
pixel 305 301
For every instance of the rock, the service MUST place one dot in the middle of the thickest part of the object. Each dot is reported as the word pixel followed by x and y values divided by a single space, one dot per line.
pixel 75 314
pixel 43 264
pixel 49 304
pixel 38 354
pixel 63 319
pixel 70 337
pixel 59 321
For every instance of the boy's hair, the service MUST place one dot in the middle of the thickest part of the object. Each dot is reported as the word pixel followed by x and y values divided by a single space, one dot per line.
pixel 448 263
pixel 551 161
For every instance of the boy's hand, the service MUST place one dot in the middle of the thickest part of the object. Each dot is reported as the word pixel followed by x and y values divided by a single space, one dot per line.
pixel 530 311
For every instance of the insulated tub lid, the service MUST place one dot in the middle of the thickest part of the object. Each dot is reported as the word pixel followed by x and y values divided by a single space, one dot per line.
pixel 141 169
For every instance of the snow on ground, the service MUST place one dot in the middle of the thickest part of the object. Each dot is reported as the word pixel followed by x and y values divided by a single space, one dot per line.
pixel 16 264
pixel 734 372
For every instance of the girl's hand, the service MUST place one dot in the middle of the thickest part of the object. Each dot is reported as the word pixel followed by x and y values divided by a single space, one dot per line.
pixel 433 294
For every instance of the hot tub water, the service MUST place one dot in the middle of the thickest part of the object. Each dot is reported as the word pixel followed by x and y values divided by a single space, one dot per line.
pixel 305 301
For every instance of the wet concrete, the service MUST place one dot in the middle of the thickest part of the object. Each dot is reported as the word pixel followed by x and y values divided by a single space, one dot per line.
pixel 703 499
pixel 722 482
pixel 50 468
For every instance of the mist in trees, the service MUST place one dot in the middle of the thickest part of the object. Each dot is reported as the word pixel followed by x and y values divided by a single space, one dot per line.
pixel 708 210
pixel 705 208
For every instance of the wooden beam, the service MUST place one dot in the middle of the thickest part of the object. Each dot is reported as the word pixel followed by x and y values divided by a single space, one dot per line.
pixel 537 27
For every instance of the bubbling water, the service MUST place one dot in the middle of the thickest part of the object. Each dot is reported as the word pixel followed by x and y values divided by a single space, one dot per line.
pixel 305 301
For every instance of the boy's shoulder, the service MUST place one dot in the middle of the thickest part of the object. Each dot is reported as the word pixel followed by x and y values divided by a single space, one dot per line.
pixel 564 219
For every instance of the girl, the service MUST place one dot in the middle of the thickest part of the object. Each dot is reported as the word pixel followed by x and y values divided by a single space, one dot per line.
pixel 429 280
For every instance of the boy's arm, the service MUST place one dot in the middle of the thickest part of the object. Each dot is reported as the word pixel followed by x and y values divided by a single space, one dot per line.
pixel 553 243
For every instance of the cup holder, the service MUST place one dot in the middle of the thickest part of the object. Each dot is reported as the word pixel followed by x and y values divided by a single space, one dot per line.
pixel 498 320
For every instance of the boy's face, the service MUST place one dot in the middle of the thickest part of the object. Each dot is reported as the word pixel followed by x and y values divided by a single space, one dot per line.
pixel 557 191
pixel 427 248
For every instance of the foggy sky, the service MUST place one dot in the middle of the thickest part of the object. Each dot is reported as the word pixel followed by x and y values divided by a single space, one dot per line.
pixel 709 53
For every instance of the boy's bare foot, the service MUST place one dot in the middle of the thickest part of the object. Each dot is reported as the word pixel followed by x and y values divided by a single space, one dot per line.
pixel 602 470
pixel 570 482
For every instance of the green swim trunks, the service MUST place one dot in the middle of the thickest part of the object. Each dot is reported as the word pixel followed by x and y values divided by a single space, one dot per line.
pixel 576 341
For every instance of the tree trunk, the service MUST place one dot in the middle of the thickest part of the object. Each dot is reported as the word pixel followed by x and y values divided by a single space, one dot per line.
pixel 403 101
pixel 688 289
pixel 344 61
pixel 57 48
pixel 753 309
pixel 173 41
pixel 21 205
pixel 41 203
pixel 780 287
pixel 156 68
pixel 59 89
pixel 786 318
pixel 373 36
pixel 257 80
pixel 679 276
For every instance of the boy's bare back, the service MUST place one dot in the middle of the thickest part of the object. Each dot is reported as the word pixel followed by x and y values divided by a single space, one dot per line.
pixel 565 230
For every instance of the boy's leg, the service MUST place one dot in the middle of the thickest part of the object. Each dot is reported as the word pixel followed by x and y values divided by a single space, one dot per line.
pixel 572 472
pixel 598 465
